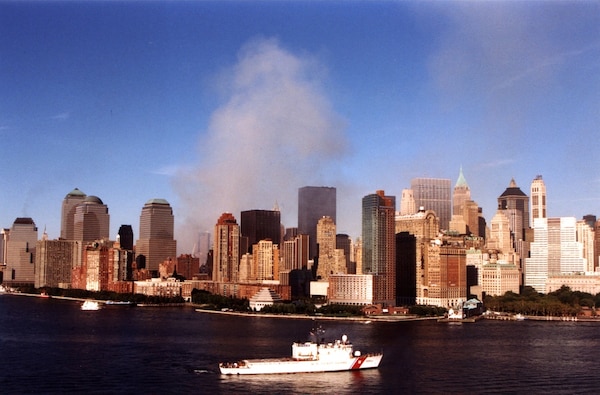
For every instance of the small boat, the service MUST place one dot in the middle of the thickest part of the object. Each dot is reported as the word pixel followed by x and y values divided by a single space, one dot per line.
pixel 519 317
pixel 90 305
pixel 308 357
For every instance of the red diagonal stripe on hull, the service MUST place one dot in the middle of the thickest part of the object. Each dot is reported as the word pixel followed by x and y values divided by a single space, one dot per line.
pixel 358 363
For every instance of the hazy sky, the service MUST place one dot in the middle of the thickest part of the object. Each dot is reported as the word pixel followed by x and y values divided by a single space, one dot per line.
pixel 231 106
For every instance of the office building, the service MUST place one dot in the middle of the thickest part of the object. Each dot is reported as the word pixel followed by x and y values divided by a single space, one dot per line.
pixel 515 205
pixel 92 220
pixel 259 225
pixel 434 194
pixel 331 260
pixel 54 262
pixel 379 245
pixel 407 202
pixel 67 218
pixel 554 251
pixel 19 252
pixel 313 204
pixel 462 194
pixel 538 198
pixel 226 256
pixel 156 241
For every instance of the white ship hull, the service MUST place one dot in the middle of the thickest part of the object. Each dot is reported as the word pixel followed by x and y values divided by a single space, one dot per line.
pixel 278 366
pixel 308 357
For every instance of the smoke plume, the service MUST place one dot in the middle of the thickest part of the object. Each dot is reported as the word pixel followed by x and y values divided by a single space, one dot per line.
pixel 274 132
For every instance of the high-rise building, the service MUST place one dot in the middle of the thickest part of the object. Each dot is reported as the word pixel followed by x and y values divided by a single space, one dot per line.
pixel 126 237
pixel 462 194
pixel 515 205
pixel 444 275
pixel 313 204
pixel 538 198
pixel 53 262
pixel 259 225
pixel 407 202
pixel 379 245
pixel 156 240
pixel 67 221
pixel 554 251
pixel 434 194
pixel 585 236
pixel 20 252
pixel 331 260
pixel 203 247
pixel 295 253
pixel 226 256
pixel 265 256
pixel 91 220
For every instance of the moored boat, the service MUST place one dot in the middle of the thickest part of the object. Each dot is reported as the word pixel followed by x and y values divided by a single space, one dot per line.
pixel 308 357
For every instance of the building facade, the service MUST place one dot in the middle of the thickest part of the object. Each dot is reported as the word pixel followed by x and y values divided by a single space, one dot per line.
pixel 156 237
pixel 379 245
pixel 434 194
pixel 313 204
pixel 226 256
pixel 259 225
pixel 538 198
pixel 67 217
pixel 91 220
pixel 19 252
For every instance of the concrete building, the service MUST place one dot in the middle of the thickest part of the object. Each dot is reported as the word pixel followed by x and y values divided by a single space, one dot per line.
pixel 538 198
pixel 462 194
pixel 585 236
pixel 379 245
pixel 554 251
pixel 331 260
pixel 434 194
pixel 313 204
pixel 295 253
pixel 67 218
pixel 350 289
pixel 226 257
pixel 408 205
pixel 156 237
pixel 54 262
pixel 444 281
pixel 265 256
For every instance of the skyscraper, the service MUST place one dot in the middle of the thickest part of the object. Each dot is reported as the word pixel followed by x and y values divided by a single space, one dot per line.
pixel 259 225
pixel 554 251
pixel 434 194
pixel 515 204
pixel 91 221
pixel 331 260
pixel 462 194
pixel 313 204
pixel 407 202
pixel 538 198
pixel 379 245
pixel 67 218
pixel 53 262
pixel 20 252
pixel 156 242
pixel 226 256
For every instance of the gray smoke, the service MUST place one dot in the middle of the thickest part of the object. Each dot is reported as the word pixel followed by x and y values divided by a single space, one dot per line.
pixel 274 132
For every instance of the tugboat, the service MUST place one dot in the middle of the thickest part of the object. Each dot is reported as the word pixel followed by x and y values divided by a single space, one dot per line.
pixel 308 357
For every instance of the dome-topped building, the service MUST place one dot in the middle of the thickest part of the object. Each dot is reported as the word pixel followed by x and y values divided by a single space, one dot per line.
pixel 67 223
pixel 91 220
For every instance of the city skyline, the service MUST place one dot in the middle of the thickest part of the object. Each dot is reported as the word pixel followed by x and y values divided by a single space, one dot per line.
pixel 225 107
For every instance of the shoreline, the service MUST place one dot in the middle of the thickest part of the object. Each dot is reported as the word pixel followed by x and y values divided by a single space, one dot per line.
pixel 365 320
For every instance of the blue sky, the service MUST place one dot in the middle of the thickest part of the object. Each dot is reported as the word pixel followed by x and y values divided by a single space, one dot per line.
pixel 230 106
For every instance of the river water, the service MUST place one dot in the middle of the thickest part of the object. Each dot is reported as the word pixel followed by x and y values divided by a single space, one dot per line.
pixel 50 346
